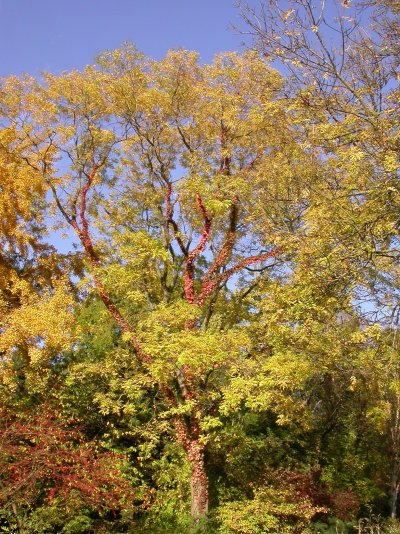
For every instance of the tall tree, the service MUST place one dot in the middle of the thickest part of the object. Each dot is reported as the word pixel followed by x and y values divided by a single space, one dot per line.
pixel 341 62
pixel 177 180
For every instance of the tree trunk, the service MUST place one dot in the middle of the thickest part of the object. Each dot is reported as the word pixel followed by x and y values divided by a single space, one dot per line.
pixel 17 519
pixel 394 490
pixel 199 482
pixel 395 438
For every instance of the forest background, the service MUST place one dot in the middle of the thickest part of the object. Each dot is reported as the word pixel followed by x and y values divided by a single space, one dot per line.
pixel 199 276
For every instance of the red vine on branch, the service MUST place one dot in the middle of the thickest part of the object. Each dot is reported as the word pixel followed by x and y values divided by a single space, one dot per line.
pixel 211 280
pixel 83 233
pixel 191 257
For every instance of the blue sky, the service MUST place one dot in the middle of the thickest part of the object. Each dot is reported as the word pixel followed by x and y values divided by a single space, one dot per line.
pixel 57 35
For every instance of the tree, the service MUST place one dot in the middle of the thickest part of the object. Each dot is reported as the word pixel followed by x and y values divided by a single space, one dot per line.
pixel 48 462
pixel 165 170
pixel 342 69
pixel 342 72
pixel 34 297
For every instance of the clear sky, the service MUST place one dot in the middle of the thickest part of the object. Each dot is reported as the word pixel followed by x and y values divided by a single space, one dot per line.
pixel 57 35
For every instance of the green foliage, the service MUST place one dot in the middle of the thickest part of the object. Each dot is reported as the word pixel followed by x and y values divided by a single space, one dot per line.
pixel 270 510
pixel 332 525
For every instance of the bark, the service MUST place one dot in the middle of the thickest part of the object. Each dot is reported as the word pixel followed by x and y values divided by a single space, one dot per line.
pixel 394 490
pixel 199 482
pixel 395 438
pixel 16 516
pixel 195 454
